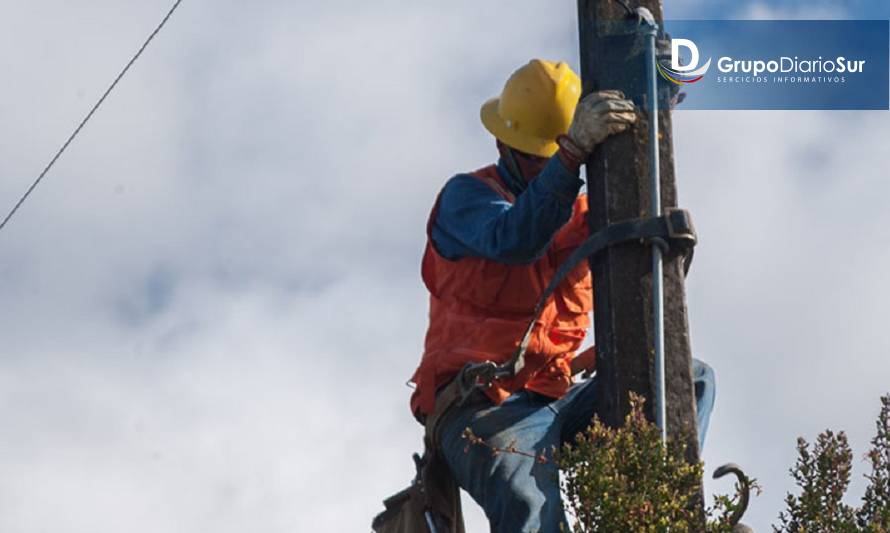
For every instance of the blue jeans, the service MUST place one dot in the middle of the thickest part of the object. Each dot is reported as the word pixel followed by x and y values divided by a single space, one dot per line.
pixel 517 493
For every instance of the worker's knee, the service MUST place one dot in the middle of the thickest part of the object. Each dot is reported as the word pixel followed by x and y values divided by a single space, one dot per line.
pixel 704 378
pixel 705 384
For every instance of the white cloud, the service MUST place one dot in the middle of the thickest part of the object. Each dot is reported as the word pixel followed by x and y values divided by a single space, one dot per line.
pixel 786 294
pixel 212 304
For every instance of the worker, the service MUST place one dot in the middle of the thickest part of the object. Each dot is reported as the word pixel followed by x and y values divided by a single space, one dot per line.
pixel 495 238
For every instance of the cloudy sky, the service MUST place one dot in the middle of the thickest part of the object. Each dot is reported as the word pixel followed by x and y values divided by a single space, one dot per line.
pixel 209 309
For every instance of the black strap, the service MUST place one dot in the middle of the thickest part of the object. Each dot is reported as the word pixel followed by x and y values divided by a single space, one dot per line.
pixel 674 229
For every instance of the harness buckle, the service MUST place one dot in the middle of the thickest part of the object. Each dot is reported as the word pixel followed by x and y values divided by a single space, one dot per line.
pixel 681 233
pixel 680 227
pixel 475 376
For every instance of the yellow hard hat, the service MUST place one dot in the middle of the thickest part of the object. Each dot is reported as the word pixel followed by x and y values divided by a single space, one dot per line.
pixel 535 107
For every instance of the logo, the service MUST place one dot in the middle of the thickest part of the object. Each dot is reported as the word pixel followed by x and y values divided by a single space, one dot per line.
pixel 683 74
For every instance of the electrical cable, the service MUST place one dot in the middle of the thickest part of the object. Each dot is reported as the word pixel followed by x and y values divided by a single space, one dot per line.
pixel 89 115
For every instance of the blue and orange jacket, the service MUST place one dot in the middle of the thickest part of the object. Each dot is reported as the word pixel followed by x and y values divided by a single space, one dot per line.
pixel 485 280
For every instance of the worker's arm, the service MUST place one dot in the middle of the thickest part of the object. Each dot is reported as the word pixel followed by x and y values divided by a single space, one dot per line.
pixel 475 221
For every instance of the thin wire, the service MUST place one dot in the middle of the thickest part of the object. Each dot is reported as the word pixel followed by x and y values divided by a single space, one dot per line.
pixel 89 115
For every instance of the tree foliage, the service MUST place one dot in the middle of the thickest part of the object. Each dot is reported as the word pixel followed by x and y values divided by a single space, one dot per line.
pixel 874 515
pixel 822 474
pixel 625 479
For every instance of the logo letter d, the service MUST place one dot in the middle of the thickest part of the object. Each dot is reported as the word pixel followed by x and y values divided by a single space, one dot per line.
pixel 675 55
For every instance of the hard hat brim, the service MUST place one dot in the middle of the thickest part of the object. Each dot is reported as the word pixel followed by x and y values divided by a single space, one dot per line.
pixel 497 126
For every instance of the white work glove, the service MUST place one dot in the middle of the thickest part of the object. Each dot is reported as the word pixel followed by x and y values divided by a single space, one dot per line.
pixel 599 115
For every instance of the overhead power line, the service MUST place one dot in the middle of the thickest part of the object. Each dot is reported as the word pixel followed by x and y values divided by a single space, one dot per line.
pixel 89 115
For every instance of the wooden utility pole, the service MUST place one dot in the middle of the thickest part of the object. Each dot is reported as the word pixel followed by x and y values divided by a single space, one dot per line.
pixel 618 189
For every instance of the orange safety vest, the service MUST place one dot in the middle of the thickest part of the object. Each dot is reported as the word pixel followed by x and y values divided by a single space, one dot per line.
pixel 479 310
